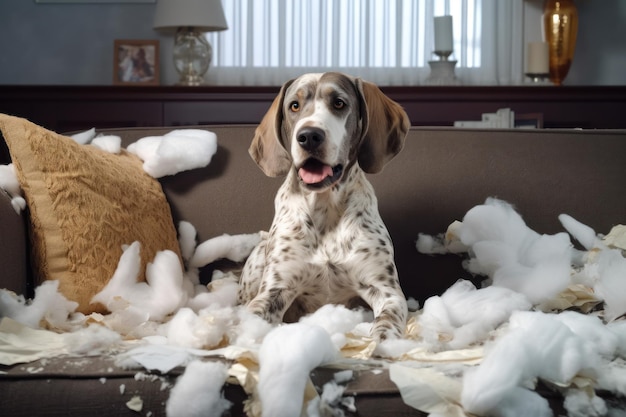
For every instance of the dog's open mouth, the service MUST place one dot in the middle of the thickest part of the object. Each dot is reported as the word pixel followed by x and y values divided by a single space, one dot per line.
pixel 316 174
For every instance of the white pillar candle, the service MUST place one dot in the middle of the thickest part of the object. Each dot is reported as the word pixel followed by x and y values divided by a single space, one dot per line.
pixel 443 33
pixel 538 57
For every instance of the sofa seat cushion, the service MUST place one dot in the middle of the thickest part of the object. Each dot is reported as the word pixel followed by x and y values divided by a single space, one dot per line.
pixel 98 386
pixel 84 205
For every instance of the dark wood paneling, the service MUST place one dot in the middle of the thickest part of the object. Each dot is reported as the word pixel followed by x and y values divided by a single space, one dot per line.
pixel 67 108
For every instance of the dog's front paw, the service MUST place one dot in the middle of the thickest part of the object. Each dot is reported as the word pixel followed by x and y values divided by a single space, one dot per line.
pixel 382 331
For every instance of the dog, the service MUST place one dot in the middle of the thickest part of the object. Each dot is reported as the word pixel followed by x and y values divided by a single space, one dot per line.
pixel 327 243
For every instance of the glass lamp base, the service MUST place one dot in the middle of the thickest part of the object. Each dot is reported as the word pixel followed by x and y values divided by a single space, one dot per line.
pixel 191 80
pixel 192 56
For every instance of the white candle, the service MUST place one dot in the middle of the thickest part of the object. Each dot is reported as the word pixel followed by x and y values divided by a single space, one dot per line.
pixel 538 57
pixel 443 33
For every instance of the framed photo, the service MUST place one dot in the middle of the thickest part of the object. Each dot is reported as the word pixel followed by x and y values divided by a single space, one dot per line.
pixel 136 62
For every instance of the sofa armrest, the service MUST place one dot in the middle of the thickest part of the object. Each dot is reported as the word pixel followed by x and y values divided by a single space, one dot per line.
pixel 13 247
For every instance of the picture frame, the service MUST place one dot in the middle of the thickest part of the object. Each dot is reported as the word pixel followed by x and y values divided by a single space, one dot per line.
pixel 136 62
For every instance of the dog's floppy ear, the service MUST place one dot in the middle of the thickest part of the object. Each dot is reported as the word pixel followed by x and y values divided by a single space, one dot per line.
pixel 385 127
pixel 267 148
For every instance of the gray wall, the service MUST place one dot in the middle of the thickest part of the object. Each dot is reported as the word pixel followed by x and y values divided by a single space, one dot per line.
pixel 55 43
pixel 73 43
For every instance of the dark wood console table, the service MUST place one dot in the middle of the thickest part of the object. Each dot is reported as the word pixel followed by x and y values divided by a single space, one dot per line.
pixel 70 108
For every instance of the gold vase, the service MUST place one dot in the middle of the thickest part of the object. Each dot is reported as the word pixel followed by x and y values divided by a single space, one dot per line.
pixel 560 27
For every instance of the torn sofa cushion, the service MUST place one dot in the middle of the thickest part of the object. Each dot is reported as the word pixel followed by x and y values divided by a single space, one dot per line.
pixel 84 204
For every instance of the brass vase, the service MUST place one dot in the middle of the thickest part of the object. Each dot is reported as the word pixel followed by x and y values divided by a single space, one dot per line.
pixel 560 26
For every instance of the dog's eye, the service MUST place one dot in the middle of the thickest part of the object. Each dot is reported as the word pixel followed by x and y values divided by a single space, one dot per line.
pixel 339 104
pixel 294 106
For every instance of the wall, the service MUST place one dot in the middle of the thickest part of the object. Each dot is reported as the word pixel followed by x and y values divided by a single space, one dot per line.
pixel 73 43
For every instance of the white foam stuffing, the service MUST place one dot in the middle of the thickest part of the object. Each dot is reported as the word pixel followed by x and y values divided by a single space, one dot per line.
pixel 236 248
pixel 161 294
pixel 91 341
pixel 537 345
pixel 175 321
pixel 49 307
pixel 512 254
pixel 579 403
pixel 197 392
pixel 84 137
pixel 464 315
pixel 187 235
pixel 287 356
pixel 176 151
pixel 9 181
pixel 108 143
pixel 10 184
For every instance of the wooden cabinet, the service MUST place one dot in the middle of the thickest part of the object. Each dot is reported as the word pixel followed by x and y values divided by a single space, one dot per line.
pixel 71 108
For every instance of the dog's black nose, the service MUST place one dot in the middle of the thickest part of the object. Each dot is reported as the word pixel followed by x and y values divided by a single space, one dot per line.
pixel 311 138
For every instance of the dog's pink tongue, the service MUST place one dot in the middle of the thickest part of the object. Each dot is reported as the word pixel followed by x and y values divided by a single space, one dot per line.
pixel 312 173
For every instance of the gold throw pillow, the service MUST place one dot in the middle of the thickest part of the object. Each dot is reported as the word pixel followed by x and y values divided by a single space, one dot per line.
pixel 84 204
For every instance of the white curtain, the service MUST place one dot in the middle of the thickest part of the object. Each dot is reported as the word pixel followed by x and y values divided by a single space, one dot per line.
pixel 388 42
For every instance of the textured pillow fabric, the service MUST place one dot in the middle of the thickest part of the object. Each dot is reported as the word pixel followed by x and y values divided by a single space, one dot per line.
pixel 84 204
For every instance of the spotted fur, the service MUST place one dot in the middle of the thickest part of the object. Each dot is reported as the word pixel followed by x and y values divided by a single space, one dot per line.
pixel 327 243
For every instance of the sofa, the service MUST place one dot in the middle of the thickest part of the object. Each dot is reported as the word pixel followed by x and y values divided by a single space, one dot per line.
pixel 440 174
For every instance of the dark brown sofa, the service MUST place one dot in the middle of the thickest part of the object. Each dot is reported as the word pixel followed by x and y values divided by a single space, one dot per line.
pixel 440 174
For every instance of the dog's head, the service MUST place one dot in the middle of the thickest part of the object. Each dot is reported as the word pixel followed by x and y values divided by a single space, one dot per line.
pixel 321 124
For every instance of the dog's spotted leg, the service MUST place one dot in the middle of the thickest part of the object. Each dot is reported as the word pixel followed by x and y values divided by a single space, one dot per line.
pixel 390 310
pixel 271 304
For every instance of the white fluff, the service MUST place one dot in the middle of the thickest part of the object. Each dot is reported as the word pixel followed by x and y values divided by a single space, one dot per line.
pixel 108 143
pixel 84 137
pixel 605 341
pixel 443 243
pixel 431 245
pixel 537 345
pixel 521 346
pixel 610 284
pixel 187 239
pixel 581 232
pixel 201 331
pixel 337 320
pixel 464 315
pixel 146 148
pixel 512 254
pixel 331 402
pixel 197 392
pixel 10 183
pixel 249 331
pixel 48 305
pixel 91 341
pixel 176 151
pixel 223 293
pixel 236 248
pixel 161 294
pixel 579 403
pixel 286 357
pixel 613 377
pixel 157 355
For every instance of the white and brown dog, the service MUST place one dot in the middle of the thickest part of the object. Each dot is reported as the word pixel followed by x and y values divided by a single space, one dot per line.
pixel 327 243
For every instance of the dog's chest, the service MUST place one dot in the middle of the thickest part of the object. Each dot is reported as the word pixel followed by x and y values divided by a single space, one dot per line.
pixel 332 234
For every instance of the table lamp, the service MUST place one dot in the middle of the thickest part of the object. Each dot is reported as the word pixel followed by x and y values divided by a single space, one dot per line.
pixel 190 19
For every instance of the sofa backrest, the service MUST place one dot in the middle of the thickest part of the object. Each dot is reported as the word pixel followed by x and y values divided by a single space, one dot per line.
pixel 439 175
